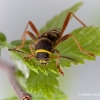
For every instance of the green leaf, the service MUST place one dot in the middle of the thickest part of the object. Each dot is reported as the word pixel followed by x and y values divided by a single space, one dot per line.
pixel 88 38
pixel 42 83
pixel 2 41
pixel 58 20
pixel 59 95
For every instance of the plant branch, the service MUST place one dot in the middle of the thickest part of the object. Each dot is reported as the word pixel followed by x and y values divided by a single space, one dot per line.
pixel 11 74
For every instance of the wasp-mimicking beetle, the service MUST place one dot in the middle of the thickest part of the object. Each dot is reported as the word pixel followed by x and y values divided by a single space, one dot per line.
pixel 44 44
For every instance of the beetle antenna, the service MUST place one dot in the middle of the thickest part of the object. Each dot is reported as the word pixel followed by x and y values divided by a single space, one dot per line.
pixel 64 57
pixel 68 58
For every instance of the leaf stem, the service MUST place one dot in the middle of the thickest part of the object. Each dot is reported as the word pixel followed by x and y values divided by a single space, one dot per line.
pixel 11 74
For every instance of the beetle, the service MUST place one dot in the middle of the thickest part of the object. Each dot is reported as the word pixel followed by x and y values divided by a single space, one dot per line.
pixel 45 43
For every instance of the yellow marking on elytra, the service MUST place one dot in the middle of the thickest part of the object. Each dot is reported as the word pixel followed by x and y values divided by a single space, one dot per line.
pixel 42 50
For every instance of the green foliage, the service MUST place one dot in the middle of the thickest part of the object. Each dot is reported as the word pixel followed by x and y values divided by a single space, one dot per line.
pixel 42 84
pixel 43 79
pixel 38 83
pixel 2 41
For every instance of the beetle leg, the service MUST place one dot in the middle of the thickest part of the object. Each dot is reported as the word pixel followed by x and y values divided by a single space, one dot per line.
pixel 79 46
pixel 29 56
pixel 67 21
pixel 29 33
pixel 57 61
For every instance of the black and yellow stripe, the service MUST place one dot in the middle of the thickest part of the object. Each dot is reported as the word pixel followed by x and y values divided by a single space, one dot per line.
pixel 42 50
